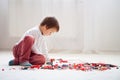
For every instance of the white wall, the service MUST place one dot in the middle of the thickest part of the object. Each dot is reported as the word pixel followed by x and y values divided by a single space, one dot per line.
pixel 85 24
pixel 3 23
pixel 102 25
pixel 107 24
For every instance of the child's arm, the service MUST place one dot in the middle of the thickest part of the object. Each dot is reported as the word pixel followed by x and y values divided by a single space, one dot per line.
pixel 45 50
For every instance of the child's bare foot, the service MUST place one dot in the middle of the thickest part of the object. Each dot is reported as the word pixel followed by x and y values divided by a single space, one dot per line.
pixel 25 64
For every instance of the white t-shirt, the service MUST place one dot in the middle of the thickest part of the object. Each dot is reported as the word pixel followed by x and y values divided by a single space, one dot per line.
pixel 39 45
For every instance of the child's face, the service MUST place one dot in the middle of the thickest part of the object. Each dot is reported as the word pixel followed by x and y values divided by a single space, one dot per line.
pixel 48 32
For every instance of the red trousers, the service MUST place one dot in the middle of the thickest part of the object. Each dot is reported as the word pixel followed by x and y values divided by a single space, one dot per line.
pixel 23 52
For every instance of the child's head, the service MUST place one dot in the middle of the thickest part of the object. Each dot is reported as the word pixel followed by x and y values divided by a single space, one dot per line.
pixel 49 25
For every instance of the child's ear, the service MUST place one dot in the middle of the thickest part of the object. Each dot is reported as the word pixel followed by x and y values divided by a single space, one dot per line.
pixel 44 27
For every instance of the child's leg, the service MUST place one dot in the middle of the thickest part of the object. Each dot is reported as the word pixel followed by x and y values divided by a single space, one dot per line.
pixel 22 50
pixel 16 56
pixel 37 59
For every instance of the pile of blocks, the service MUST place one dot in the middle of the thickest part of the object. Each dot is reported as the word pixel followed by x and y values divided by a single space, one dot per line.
pixel 66 64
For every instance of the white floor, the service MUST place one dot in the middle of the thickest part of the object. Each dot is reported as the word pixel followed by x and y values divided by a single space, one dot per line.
pixel 104 57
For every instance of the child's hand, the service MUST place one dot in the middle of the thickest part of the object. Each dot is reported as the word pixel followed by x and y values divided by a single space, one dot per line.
pixel 46 57
pixel 50 61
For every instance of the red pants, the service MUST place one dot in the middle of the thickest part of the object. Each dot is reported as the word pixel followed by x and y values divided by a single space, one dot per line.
pixel 23 52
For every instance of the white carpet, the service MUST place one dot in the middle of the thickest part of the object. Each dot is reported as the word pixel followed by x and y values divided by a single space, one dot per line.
pixel 112 58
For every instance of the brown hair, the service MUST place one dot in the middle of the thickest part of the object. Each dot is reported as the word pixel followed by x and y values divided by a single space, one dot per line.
pixel 50 22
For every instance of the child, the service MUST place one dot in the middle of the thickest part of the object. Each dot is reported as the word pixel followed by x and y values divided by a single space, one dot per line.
pixel 32 49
